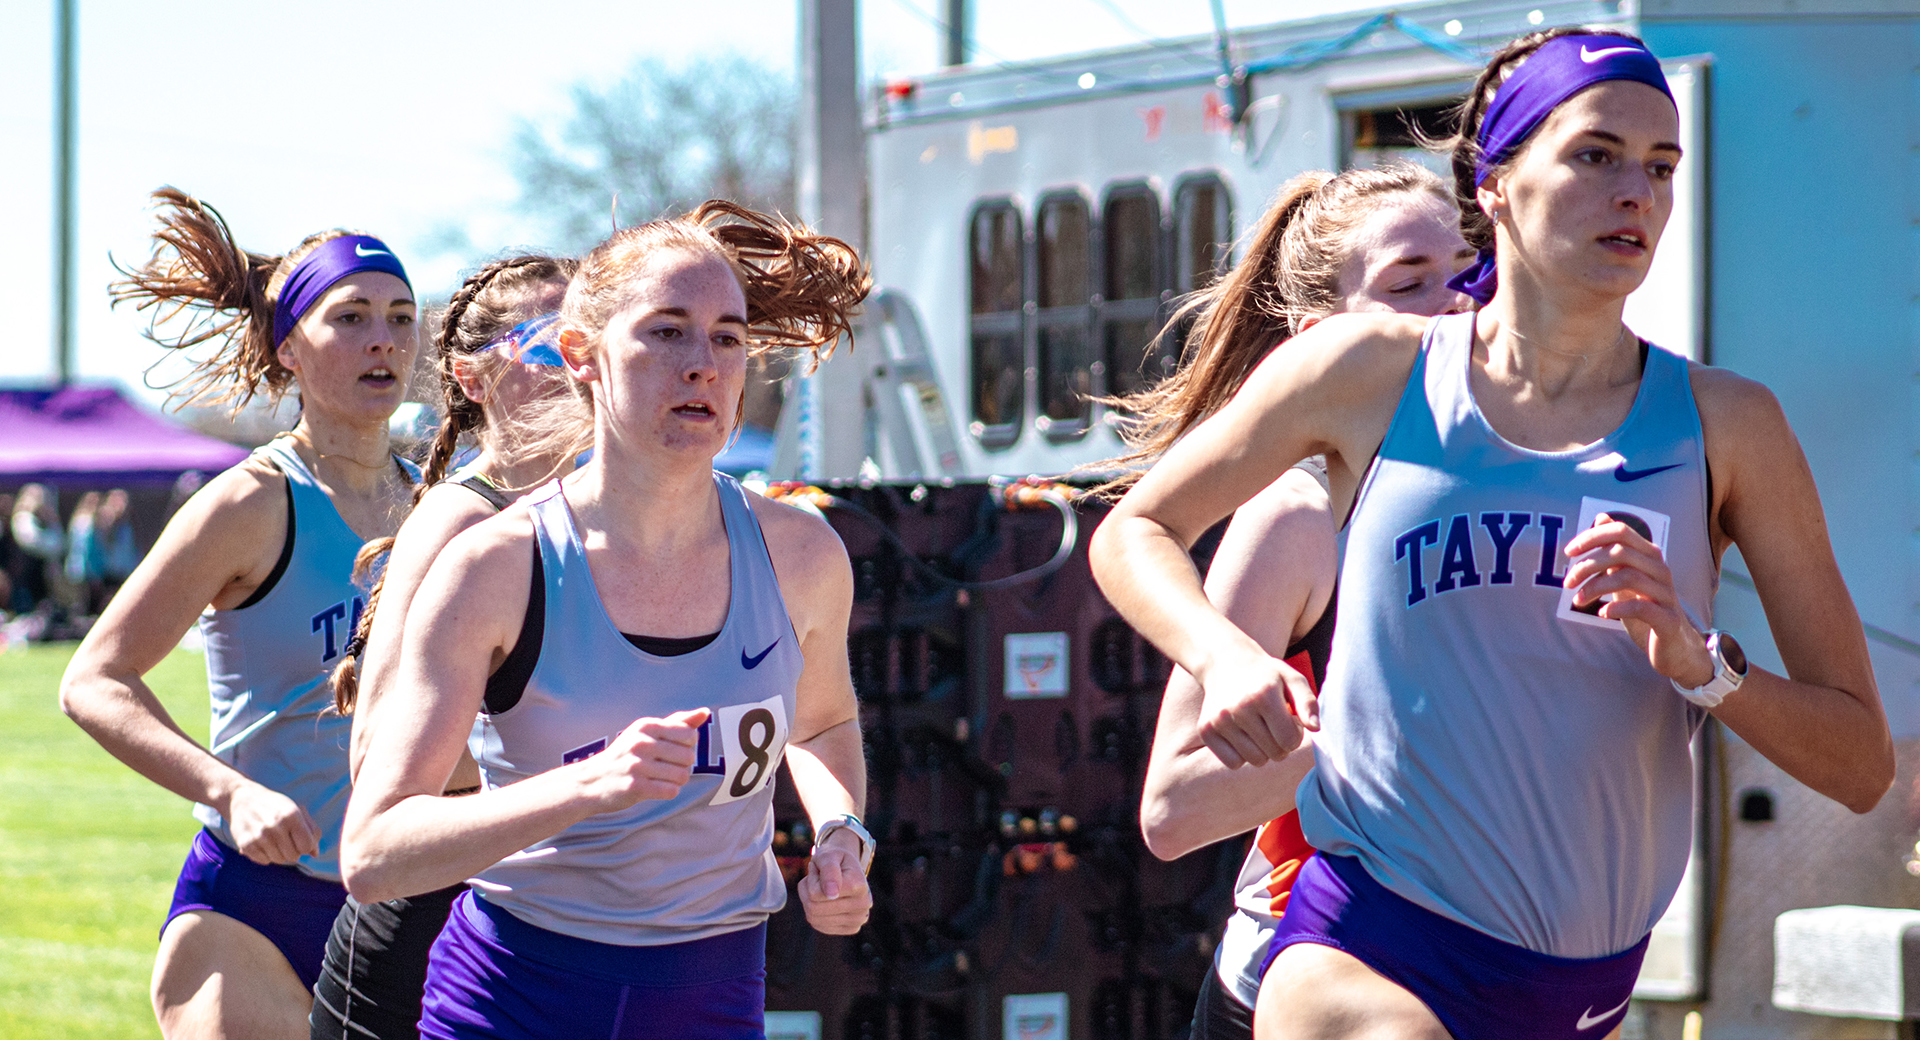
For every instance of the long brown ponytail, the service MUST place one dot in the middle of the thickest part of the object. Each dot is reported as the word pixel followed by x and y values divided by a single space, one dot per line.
pixel 1290 274
pixel 487 305
pixel 200 274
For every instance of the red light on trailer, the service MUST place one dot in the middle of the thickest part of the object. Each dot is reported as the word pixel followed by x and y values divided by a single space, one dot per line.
pixel 901 89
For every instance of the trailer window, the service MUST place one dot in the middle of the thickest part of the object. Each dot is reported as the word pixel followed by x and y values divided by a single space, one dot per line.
pixel 999 356
pixel 1064 234
pixel 1202 233
pixel 1378 136
pixel 1130 311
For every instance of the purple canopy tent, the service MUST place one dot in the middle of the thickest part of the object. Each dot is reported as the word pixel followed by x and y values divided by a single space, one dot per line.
pixel 95 437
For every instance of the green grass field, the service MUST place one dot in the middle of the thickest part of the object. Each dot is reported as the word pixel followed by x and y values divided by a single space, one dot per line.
pixel 88 856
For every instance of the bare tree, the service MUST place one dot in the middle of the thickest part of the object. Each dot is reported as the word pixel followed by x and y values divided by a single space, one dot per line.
pixel 662 138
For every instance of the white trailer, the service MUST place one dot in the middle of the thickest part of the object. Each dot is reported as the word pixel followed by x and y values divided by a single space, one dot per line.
pixel 1030 226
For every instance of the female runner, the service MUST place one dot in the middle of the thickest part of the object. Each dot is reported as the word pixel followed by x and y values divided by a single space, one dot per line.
pixel 266 550
pixel 502 384
pixel 677 636
pixel 1363 240
pixel 1501 790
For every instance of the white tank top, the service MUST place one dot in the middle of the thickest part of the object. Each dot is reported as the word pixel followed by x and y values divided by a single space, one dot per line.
pixel 268 661
pixel 1480 754
pixel 699 864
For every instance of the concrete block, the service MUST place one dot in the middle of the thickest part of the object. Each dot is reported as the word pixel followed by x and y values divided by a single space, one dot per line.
pixel 1848 961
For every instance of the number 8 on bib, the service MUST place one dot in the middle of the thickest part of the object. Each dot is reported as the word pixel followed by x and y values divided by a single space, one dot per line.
pixel 753 737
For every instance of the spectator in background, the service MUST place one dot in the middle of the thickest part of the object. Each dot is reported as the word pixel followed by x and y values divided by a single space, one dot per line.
pixel 114 528
pixel 37 535
pixel 86 561
pixel 11 560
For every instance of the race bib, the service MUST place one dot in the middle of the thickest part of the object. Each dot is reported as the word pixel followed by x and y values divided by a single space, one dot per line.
pixel 1650 524
pixel 753 737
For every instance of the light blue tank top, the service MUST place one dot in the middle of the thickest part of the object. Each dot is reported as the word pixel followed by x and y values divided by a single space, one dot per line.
pixel 699 864
pixel 268 662
pixel 1483 757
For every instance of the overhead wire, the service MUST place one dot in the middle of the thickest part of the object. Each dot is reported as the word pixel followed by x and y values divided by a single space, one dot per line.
pixel 973 42
pixel 1146 36
pixel 1046 68
pixel 1299 56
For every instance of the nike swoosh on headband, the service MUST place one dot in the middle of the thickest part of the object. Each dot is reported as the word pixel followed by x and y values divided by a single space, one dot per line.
pixel 753 662
pixel 1589 1019
pixel 324 265
pixel 1628 476
pixel 1592 56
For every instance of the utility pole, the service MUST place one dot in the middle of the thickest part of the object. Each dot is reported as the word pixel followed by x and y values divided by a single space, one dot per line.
pixel 65 76
pixel 828 428
pixel 959 42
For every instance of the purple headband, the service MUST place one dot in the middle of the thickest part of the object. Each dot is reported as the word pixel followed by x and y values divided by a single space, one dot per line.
pixel 317 272
pixel 1559 69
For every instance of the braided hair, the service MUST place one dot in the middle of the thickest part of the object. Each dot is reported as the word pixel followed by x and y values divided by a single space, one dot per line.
pixel 487 305
pixel 483 308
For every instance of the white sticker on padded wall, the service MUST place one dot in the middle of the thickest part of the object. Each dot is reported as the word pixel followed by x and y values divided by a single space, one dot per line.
pixel 1036 665
pixel 1034 1016
pixel 793 1025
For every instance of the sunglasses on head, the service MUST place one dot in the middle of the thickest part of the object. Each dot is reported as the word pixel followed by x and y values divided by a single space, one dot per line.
pixel 532 342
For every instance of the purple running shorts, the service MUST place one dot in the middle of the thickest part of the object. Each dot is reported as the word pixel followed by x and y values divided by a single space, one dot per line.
pixel 492 976
pixel 1480 987
pixel 293 910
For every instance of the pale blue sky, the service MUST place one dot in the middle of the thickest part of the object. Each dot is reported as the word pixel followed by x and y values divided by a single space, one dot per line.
pixel 388 116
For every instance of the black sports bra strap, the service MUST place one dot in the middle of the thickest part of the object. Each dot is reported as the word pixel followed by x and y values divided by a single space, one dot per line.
pixel 483 487
pixel 286 549
pixel 505 685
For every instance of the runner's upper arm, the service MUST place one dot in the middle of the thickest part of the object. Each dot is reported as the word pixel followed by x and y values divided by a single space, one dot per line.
pixel 1273 573
pixel 1273 576
pixel 1330 390
pixel 816 580
pixel 463 620
pixel 442 514
pixel 1769 505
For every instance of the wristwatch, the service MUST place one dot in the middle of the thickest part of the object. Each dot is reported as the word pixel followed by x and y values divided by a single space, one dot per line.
pixel 1729 671
pixel 852 823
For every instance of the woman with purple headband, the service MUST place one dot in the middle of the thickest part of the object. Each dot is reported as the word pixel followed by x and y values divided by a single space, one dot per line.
pixel 262 558
pixel 1538 502
pixel 502 386
pixel 643 643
